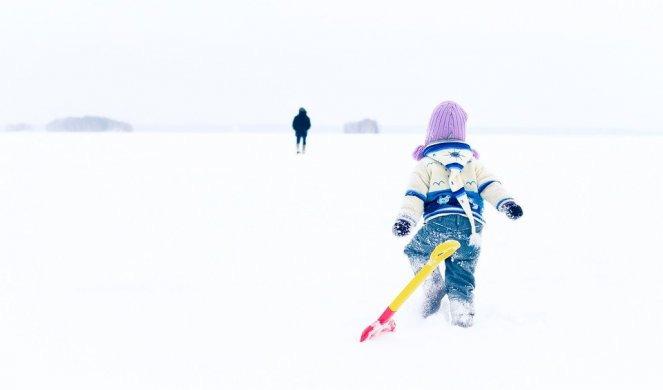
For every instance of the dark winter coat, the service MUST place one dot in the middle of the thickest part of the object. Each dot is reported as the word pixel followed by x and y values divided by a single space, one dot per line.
pixel 301 123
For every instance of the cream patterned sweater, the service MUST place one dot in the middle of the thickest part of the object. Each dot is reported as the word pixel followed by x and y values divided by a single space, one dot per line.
pixel 431 194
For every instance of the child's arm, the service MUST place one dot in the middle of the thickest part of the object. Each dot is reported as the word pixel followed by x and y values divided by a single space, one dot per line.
pixel 494 192
pixel 412 207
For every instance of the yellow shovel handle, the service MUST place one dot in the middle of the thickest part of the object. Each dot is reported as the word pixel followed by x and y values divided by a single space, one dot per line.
pixel 440 253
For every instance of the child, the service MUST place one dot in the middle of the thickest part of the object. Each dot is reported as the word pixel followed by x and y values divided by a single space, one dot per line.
pixel 448 187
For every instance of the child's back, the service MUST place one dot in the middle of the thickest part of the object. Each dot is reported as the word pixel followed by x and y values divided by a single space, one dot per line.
pixel 448 188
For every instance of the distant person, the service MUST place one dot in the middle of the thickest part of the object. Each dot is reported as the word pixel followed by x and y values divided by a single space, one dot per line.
pixel 301 124
pixel 448 187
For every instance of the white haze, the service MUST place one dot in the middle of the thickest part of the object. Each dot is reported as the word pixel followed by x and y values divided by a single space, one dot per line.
pixel 568 64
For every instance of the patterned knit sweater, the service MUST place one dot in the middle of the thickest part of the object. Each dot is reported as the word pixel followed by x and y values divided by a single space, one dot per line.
pixel 429 191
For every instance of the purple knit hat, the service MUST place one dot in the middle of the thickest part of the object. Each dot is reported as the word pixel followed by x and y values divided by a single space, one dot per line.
pixel 446 122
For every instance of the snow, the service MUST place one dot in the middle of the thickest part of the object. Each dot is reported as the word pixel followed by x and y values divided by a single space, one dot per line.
pixel 226 261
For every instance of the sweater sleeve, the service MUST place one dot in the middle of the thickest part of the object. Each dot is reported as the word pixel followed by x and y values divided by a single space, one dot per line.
pixel 412 207
pixel 490 188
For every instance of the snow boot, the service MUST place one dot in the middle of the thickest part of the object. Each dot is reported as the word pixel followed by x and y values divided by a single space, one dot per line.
pixel 462 312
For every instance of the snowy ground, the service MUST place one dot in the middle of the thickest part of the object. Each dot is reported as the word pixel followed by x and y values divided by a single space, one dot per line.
pixel 225 261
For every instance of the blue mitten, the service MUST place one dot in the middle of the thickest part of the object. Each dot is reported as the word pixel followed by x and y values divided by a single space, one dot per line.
pixel 511 209
pixel 401 228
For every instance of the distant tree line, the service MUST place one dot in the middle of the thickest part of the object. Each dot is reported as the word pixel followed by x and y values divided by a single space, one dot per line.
pixel 88 123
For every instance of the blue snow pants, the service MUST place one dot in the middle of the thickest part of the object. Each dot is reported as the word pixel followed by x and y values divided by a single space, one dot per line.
pixel 458 279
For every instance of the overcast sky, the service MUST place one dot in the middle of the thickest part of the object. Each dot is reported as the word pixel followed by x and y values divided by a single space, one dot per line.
pixel 589 64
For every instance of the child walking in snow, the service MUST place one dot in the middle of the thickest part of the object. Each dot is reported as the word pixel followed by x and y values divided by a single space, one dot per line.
pixel 448 187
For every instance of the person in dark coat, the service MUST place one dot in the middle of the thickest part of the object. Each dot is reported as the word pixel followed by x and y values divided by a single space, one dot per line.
pixel 301 124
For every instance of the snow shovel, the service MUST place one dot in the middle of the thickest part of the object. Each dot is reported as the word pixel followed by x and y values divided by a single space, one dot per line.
pixel 386 323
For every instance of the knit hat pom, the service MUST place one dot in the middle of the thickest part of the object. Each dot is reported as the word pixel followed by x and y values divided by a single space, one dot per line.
pixel 418 153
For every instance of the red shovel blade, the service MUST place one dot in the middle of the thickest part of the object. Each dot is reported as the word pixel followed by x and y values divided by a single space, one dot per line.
pixel 376 329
